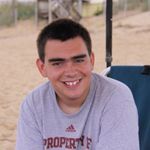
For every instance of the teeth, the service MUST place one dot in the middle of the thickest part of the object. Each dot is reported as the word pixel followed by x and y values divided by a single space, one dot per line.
pixel 72 83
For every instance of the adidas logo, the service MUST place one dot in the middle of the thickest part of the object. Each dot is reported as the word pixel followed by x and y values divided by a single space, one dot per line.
pixel 70 129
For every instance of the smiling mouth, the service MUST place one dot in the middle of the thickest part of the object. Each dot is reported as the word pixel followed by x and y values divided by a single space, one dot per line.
pixel 71 83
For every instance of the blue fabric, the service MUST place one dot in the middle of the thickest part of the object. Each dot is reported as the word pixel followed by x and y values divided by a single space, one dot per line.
pixel 140 86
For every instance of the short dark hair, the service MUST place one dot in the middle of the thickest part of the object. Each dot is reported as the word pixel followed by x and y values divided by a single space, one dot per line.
pixel 62 29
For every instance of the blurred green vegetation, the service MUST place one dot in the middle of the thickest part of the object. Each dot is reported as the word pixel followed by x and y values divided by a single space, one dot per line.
pixel 146 5
pixel 89 10
pixel 6 17
pixel 25 10
pixel 125 5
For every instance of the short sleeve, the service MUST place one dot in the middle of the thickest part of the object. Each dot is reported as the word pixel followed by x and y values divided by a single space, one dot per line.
pixel 119 123
pixel 29 136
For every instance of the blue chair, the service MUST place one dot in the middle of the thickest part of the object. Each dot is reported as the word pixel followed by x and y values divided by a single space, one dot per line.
pixel 137 78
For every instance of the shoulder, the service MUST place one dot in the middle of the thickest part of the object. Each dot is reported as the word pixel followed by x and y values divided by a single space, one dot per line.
pixel 39 95
pixel 38 91
pixel 114 96
pixel 106 81
pixel 111 87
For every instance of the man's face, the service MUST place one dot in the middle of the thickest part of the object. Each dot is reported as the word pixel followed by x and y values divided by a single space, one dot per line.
pixel 68 66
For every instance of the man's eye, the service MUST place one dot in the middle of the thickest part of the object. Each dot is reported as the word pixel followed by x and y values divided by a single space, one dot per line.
pixel 56 64
pixel 80 60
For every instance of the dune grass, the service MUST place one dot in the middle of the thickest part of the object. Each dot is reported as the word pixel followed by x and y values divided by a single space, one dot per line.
pixel 89 10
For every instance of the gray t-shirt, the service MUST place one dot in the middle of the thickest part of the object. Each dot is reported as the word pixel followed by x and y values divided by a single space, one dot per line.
pixel 106 121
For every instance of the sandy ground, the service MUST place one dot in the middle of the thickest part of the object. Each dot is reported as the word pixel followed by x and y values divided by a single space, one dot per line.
pixel 131 46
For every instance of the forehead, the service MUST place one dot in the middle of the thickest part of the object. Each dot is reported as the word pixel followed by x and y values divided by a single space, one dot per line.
pixel 68 48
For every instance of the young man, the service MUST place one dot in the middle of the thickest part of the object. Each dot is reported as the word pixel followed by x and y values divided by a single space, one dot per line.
pixel 75 109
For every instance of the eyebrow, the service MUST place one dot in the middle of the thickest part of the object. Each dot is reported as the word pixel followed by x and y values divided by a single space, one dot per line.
pixel 79 56
pixel 63 59
pixel 56 59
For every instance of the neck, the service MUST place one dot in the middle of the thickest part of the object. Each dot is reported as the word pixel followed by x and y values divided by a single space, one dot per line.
pixel 69 109
pixel 71 106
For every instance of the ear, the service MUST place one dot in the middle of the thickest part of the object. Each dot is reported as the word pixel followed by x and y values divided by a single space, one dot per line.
pixel 92 59
pixel 41 67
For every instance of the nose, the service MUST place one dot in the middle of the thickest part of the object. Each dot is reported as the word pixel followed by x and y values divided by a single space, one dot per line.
pixel 70 69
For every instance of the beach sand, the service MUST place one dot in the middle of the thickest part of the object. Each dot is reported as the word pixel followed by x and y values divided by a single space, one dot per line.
pixel 131 38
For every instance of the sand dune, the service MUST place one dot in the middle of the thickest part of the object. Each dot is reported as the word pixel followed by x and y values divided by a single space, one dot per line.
pixel 131 37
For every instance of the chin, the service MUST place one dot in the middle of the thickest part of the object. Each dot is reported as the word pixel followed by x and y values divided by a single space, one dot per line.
pixel 74 96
